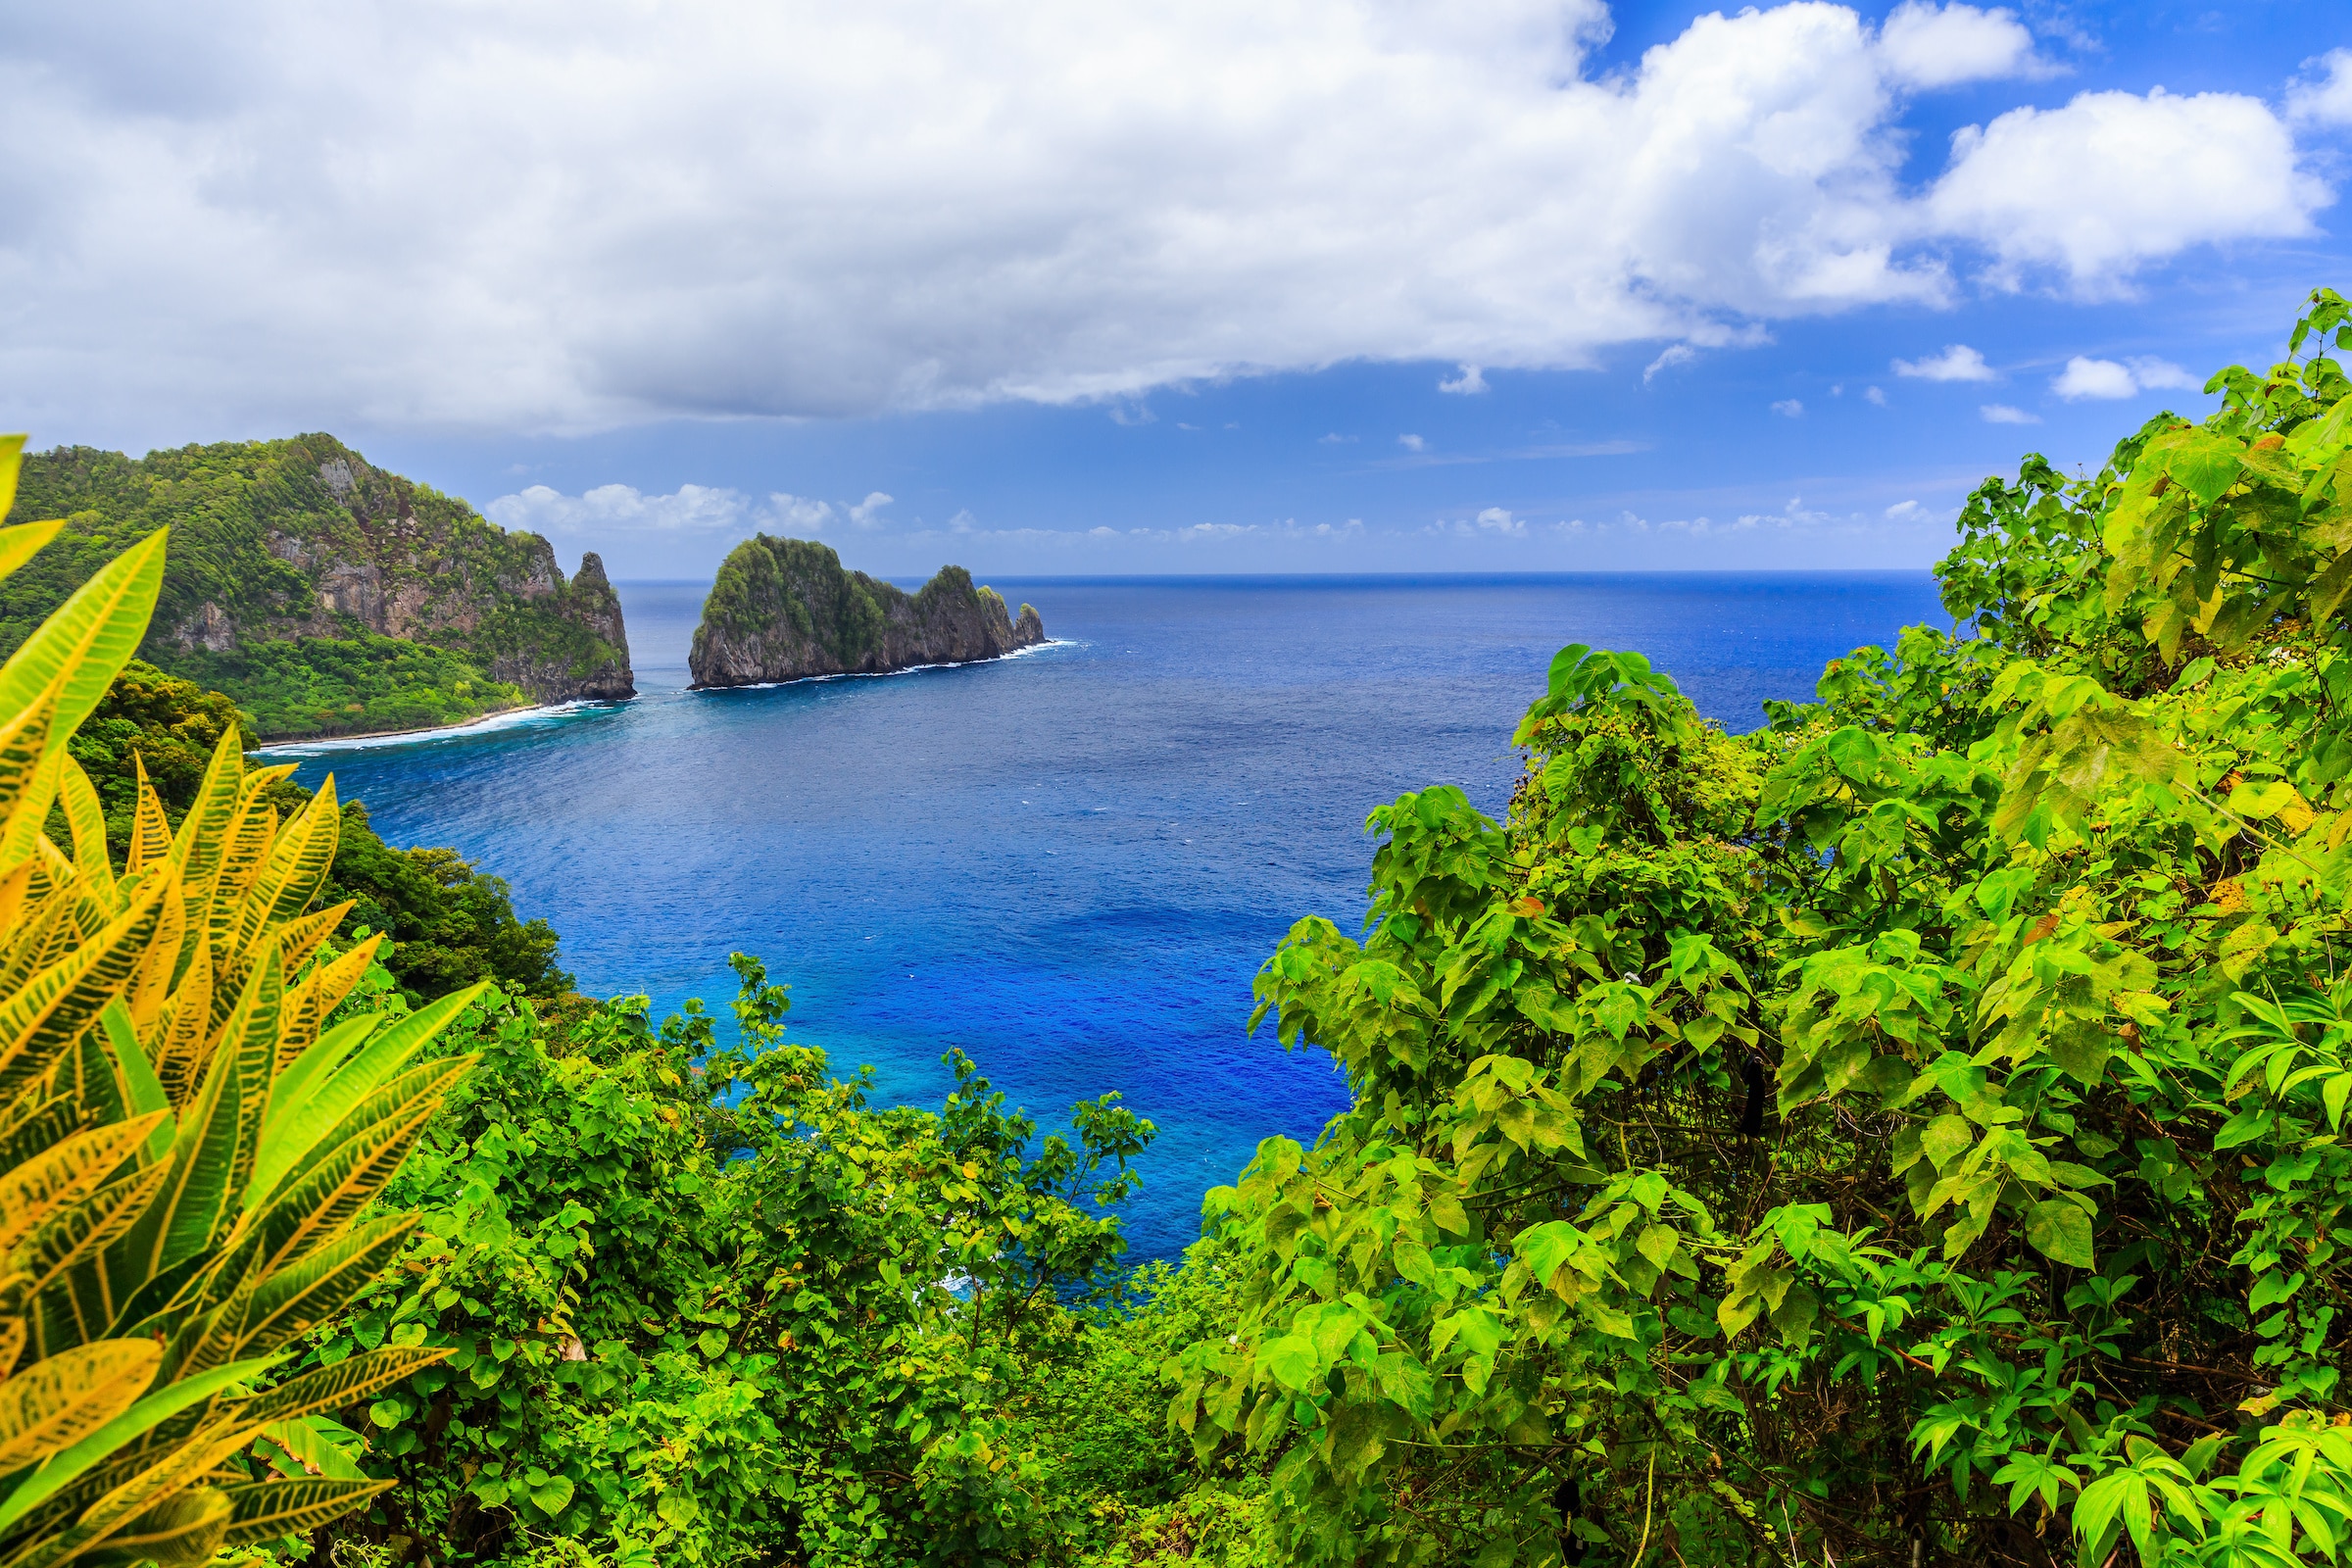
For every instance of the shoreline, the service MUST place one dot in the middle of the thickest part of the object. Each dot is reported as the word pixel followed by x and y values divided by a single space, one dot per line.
pixel 885 674
pixel 496 719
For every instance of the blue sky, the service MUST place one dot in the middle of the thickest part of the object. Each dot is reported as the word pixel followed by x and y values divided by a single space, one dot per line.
pixel 1129 291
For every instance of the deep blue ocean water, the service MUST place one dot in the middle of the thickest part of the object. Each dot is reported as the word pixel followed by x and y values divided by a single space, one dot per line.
pixel 1069 863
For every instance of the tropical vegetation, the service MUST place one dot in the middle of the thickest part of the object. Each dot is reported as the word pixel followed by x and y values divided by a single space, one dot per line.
pixel 193 1126
pixel 1910 1133
pixel 1913 1132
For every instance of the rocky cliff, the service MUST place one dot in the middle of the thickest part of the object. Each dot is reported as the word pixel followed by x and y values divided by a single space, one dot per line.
pixel 786 608
pixel 325 593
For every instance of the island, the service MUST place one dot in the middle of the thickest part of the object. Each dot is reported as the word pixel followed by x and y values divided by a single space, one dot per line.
pixel 325 594
pixel 787 610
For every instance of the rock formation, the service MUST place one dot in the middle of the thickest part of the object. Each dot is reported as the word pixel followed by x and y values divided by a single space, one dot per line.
pixel 786 608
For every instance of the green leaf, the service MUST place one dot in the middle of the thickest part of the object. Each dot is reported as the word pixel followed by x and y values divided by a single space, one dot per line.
pixel 1945 1137
pixel 2060 1230
pixel 552 1496
pixel 2255 801
pixel 149 1414
pixel 1291 1359
pixel 2203 464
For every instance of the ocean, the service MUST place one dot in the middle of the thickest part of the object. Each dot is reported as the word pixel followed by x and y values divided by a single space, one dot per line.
pixel 1070 863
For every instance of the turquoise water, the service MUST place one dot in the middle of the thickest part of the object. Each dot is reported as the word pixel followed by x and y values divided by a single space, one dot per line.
pixel 1072 861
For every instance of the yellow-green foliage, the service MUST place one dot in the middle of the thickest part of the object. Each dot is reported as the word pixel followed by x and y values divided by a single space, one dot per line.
pixel 188 1152
pixel 1915 1133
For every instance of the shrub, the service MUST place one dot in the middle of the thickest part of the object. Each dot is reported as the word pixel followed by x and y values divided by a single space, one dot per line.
pixel 191 1133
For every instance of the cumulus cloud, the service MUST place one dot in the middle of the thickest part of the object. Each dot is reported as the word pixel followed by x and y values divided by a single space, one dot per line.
pixel 569 218
pixel 610 509
pixel 1957 362
pixel 1413 443
pixel 621 508
pixel 1498 519
pixel 2112 180
pixel 2093 378
pixel 2323 95
pixel 2004 414
pixel 1469 383
pixel 1925 46
pixel 1789 408
pixel 2085 377
pixel 799 513
pixel 1905 512
pixel 1875 396
pixel 1796 515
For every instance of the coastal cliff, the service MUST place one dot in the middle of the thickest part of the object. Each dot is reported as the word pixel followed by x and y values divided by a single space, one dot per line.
pixel 325 594
pixel 786 608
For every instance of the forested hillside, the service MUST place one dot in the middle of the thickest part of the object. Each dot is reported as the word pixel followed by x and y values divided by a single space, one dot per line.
pixel 327 596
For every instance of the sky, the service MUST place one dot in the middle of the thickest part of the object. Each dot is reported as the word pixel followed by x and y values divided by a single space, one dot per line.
pixel 1065 287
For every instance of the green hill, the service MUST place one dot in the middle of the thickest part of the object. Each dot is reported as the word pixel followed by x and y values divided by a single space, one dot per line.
pixel 327 596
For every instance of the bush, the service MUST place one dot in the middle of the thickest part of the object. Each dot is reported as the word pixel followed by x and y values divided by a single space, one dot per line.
pixel 191 1126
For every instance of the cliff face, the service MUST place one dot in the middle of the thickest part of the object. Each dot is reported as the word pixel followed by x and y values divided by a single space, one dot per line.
pixel 786 608
pixel 299 554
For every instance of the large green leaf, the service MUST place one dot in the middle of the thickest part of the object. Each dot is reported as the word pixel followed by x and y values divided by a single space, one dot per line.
pixel 266 1510
pixel 86 641
pixel 150 1413
pixel 296 1131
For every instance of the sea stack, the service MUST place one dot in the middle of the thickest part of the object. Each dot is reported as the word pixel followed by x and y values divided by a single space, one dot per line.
pixel 786 610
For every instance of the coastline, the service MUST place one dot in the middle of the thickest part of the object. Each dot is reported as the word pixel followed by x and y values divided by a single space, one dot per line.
pixel 496 719
pixel 885 674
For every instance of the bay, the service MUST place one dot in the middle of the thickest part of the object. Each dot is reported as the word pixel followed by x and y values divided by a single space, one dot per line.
pixel 1070 863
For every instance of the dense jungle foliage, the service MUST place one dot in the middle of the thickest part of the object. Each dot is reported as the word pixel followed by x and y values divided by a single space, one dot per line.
pixel 1911 1133
pixel 326 596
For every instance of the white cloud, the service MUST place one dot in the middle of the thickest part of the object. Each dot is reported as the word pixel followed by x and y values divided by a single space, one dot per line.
pixel 2003 414
pixel 1498 519
pixel 1957 362
pixel 2151 372
pixel 2323 99
pixel 1905 512
pixel 2085 377
pixel 1789 407
pixel 1875 396
pixel 619 508
pixel 1927 47
pixel 2112 181
pixel 2093 378
pixel 1796 515
pixel 1469 383
pixel 564 218
pixel 1413 443
pixel 799 513
pixel 1334 439
pixel 1675 354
